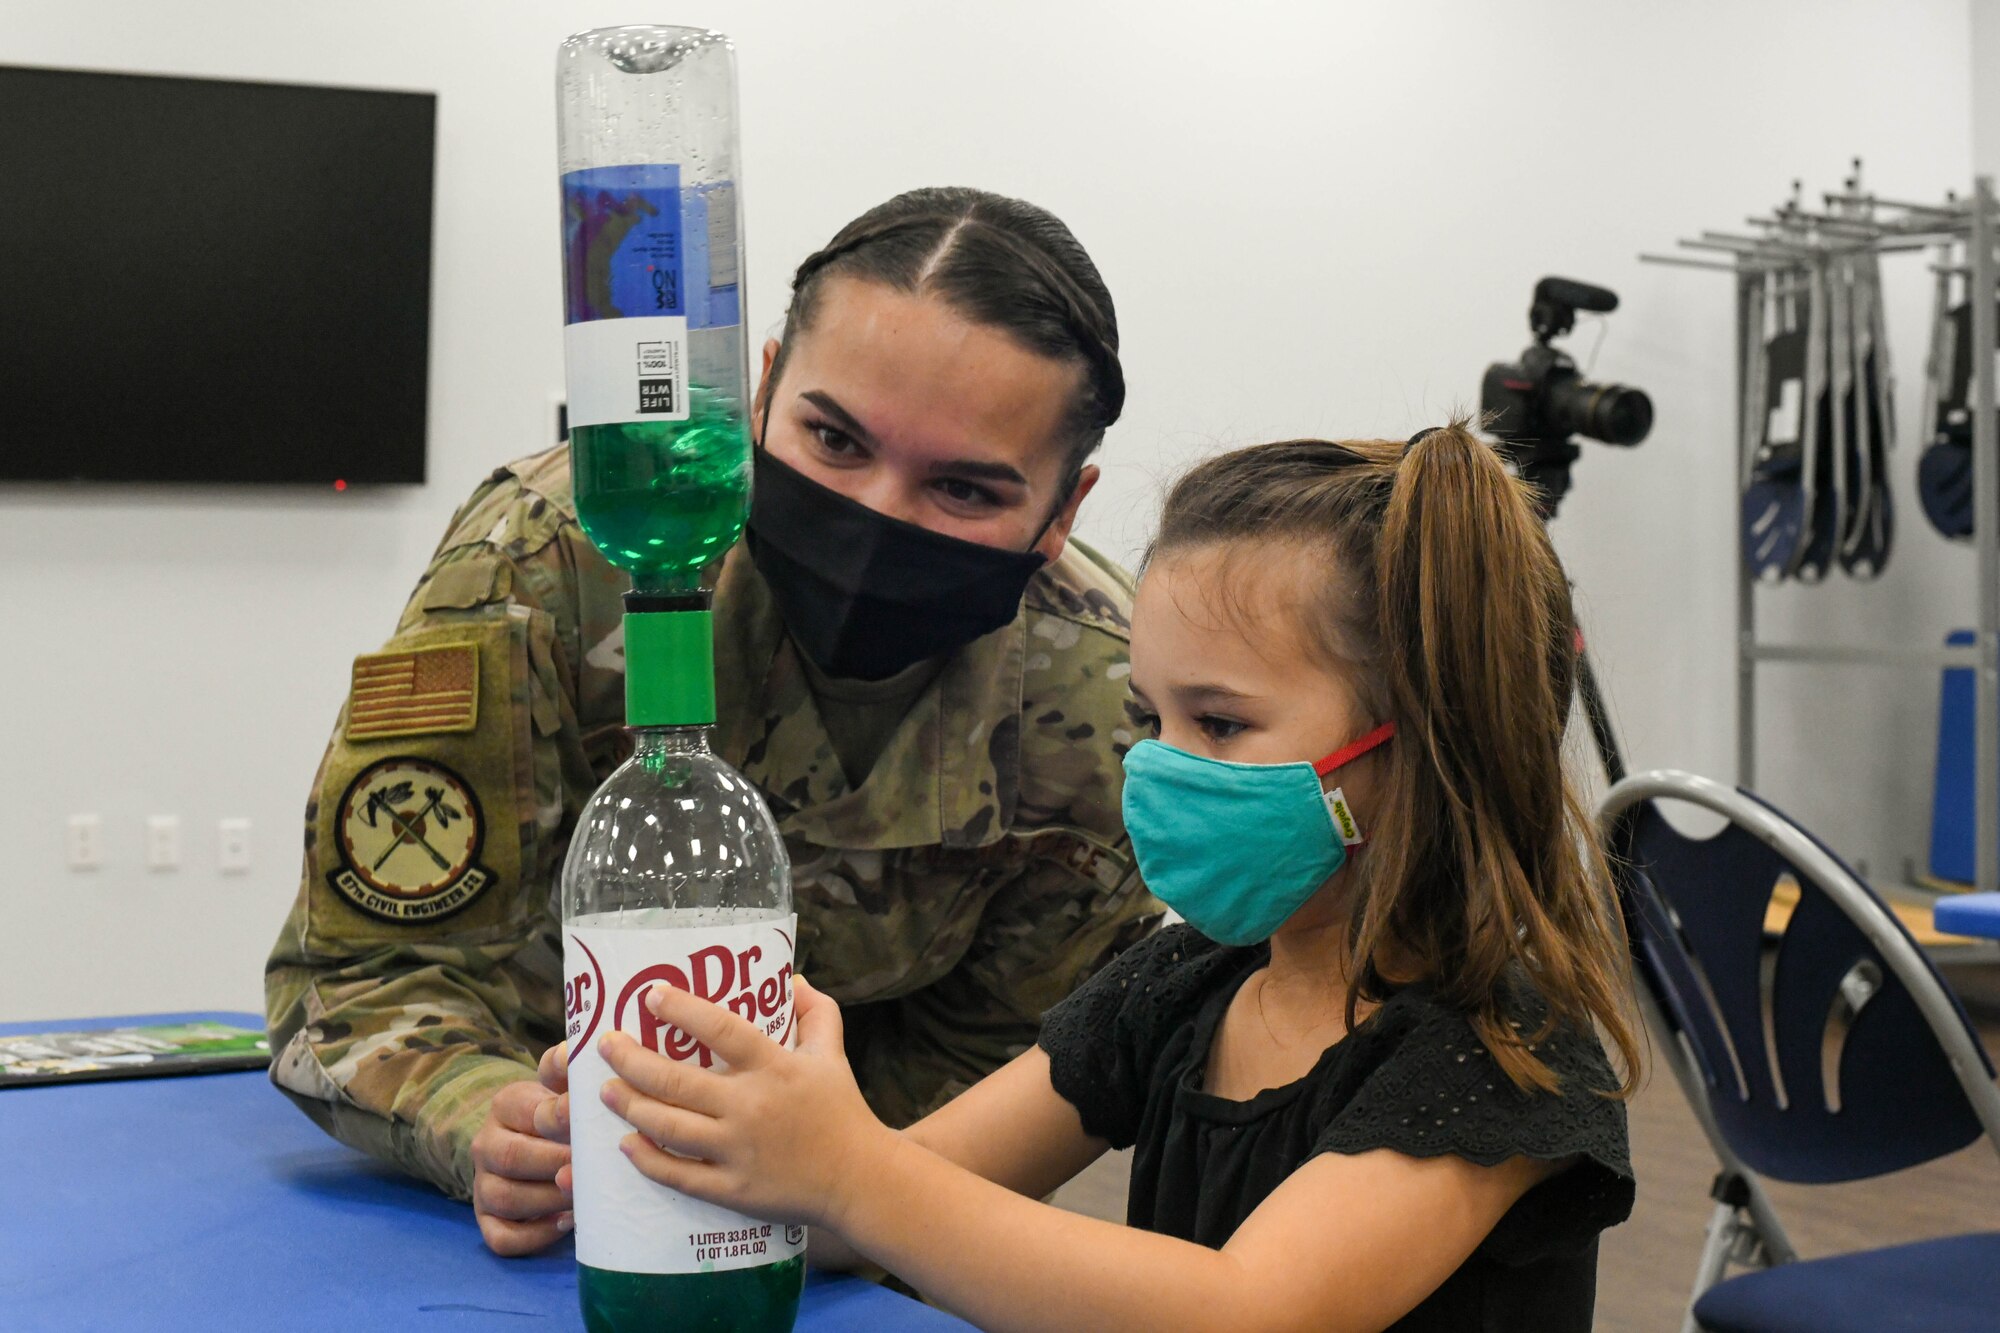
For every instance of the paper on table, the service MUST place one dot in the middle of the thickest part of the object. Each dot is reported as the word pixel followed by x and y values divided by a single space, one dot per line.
pixel 130 1052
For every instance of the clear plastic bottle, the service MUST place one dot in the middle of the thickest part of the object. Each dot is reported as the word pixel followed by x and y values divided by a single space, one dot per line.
pixel 676 875
pixel 653 297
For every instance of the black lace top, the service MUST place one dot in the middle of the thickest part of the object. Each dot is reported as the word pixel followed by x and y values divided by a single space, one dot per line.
pixel 1130 1051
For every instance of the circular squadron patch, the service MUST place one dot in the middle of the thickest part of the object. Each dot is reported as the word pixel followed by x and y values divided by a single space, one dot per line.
pixel 409 833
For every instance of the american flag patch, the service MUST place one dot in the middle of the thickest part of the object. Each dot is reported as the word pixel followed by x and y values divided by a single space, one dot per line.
pixel 414 693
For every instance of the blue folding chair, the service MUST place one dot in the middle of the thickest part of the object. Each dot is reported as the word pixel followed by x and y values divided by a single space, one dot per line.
pixel 1839 1054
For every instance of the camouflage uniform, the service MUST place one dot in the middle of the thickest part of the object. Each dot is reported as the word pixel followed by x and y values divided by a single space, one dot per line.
pixel 977 876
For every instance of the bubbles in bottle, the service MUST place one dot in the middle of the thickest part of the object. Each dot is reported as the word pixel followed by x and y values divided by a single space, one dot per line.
pixel 645 50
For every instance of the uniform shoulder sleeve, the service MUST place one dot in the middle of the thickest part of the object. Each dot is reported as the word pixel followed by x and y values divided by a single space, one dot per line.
pixel 1076 706
pixel 512 517
pixel 1435 1090
pixel 1104 1042
pixel 418 969
pixel 1086 588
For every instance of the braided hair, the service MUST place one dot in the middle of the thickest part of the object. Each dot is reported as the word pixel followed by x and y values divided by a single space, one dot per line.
pixel 1001 263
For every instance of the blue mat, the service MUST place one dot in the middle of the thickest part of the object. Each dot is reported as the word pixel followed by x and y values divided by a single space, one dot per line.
pixel 210 1203
pixel 1954 822
pixel 1968 914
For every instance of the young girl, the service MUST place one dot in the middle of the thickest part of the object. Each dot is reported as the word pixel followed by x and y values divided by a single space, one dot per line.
pixel 1364 1080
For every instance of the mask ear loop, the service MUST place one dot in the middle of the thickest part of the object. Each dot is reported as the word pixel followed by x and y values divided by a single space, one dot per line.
pixel 1347 754
pixel 1344 824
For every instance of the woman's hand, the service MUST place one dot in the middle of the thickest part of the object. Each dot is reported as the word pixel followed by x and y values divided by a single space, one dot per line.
pixel 781 1135
pixel 520 1162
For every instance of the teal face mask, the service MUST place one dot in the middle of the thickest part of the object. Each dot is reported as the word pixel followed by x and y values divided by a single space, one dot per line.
pixel 1237 848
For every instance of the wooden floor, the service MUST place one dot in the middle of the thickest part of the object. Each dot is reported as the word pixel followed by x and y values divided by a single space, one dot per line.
pixel 1648 1263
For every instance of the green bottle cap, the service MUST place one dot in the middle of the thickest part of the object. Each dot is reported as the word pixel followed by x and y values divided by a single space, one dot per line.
pixel 669 668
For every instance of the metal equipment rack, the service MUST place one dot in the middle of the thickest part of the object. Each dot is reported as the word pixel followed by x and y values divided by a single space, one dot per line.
pixel 1854 222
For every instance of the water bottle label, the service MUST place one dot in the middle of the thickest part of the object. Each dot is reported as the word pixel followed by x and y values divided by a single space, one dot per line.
pixel 636 244
pixel 644 261
pixel 625 1222
pixel 623 370
pixel 622 251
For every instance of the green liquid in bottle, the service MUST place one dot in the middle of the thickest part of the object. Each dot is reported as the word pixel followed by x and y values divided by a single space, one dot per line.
pixel 742 1300
pixel 664 499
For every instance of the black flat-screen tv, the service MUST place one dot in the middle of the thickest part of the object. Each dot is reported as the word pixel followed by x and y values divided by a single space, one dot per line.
pixel 211 281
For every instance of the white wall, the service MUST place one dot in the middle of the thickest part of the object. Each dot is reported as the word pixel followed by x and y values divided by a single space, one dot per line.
pixel 1986 92
pixel 1315 218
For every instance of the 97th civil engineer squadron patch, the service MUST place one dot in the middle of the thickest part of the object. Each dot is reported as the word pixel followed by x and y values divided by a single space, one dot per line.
pixel 409 833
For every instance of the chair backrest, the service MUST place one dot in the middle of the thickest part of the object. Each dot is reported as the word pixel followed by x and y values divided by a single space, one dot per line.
pixel 1838 1053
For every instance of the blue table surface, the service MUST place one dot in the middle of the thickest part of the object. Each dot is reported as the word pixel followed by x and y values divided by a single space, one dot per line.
pixel 1968 914
pixel 209 1202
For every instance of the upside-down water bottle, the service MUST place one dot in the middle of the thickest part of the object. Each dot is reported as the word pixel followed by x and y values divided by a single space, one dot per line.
pixel 653 297
pixel 676 874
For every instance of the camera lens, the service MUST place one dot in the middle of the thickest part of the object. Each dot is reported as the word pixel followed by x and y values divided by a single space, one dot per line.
pixel 1613 413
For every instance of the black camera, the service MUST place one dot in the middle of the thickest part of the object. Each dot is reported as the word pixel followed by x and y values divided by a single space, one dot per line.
pixel 1537 403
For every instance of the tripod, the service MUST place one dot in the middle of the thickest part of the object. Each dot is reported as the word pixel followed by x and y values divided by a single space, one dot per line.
pixel 1544 464
pixel 1601 734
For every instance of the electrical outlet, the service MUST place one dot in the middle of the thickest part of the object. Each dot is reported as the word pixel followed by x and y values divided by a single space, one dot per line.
pixel 232 852
pixel 85 842
pixel 163 842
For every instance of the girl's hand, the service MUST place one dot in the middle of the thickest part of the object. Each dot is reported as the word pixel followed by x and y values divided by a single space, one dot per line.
pixel 781 1135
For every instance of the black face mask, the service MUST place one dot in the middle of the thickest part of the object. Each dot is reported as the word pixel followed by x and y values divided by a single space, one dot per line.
pixel 865 595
